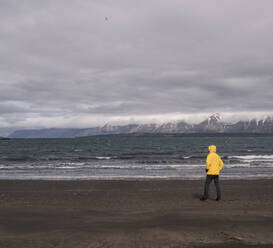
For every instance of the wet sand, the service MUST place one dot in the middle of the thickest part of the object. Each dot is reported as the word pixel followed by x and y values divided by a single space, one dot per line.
pixel 135 214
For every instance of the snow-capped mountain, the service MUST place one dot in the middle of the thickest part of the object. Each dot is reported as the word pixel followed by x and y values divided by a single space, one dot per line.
pixel 213 124
pixel 252 126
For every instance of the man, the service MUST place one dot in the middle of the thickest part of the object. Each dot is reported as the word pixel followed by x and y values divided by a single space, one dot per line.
pixel 214 165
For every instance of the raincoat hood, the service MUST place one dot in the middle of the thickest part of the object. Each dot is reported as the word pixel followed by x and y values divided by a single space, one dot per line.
pixel 212 148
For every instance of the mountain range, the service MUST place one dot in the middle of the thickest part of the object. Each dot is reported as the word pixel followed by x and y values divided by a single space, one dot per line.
pixel 211 125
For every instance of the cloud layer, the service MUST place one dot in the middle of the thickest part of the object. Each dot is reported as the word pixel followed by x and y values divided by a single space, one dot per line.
pixel 84 63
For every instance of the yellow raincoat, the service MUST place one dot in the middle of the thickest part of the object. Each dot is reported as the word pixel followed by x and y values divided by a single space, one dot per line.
pixel 214 163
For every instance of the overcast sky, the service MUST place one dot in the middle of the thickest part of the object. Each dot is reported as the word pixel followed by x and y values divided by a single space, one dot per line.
pixel 69 63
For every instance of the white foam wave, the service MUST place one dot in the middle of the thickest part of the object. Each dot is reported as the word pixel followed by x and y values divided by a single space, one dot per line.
pixel 67 167
pixel 106 158
pixel 237 166
pixel 252 157
pixel 73 163
pixel 148 167
pixel 244 164
pixel 127 177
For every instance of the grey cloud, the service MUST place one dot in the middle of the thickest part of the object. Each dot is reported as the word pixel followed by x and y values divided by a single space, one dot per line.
pixel 63 59
pixel 11 108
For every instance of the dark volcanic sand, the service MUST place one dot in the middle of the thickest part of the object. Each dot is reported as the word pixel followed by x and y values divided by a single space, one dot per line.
pixel 134 214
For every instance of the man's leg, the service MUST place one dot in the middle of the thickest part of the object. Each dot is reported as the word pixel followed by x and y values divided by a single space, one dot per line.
pixel 217 185
pixel 207 183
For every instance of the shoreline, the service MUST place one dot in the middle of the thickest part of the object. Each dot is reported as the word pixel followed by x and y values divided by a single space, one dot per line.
pixel 136 179
pixel 149 213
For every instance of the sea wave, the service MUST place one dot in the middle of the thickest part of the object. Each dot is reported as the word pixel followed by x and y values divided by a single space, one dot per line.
pixel 77 165
pixel 147 158
pixel 127 177
pixel 103 158
pixel 252 157
pixel 52 158
pixel 128 167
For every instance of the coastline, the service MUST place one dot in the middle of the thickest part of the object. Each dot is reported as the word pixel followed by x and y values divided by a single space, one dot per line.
pixel 131 179
pixel 135 213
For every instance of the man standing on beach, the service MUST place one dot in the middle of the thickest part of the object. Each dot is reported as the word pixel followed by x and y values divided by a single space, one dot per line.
pixel 214 165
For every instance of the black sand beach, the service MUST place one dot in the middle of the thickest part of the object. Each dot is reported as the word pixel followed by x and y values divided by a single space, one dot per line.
pixel 135 214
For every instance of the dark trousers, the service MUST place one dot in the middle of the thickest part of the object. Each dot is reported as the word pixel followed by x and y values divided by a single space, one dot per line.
pixel 217 185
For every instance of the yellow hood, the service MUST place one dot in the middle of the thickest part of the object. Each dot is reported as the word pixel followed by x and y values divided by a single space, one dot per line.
pixel 212 148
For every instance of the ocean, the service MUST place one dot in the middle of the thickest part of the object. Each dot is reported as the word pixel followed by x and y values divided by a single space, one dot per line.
pixel 132 157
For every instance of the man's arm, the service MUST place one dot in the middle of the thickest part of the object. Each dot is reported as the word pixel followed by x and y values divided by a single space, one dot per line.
pixel 208 163
pixel 221 164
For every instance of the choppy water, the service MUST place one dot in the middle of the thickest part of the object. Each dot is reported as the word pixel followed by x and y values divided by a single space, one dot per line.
pixel 135 157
